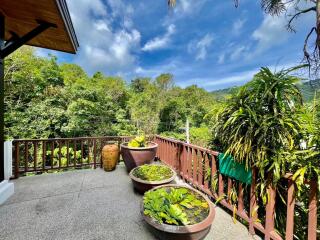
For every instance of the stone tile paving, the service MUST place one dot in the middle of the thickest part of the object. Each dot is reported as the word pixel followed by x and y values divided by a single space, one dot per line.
pixel 87 204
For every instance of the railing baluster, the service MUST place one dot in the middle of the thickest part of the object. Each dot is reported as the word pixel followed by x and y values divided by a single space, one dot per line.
pixel 194 165
pixel 214 173
pixel 81 161
pixel 182 161
pixel 221 186
pixel 190 172
pixel 52 153
pixel 26 156
pixel 35 153
pixel 312 217
pixel 74 153
pixel 68 153
pixel 290 210
pixel 230 185
pixel 94 154
pixel 240 198
pixel 44 155
pixel 100 152
pixel 207 172
pixel 17 159
pixel 270 211
pixel 89 143
pixel 60 143
pixel 253 204
pixel 200 168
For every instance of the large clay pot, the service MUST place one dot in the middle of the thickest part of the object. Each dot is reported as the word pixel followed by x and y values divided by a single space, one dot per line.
pixel 136 156
pixel 110 156
pixel 189 232
pixel 143 185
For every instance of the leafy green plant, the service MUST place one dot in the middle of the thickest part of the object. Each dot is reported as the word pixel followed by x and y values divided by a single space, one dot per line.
pixel 153 172
pixel 261 123
pixel 175 206
pixel 139 141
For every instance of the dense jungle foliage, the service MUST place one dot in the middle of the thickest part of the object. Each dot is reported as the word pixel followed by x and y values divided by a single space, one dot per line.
pixel 44 99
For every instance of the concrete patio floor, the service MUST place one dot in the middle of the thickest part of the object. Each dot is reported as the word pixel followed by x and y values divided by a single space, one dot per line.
pixel 87 204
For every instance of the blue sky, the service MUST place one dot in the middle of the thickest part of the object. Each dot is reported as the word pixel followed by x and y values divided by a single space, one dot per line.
pixel 205 42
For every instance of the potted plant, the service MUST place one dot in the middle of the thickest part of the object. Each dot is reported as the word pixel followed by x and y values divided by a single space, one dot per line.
pixel 138 152
pixel 177 212
pixel 149 176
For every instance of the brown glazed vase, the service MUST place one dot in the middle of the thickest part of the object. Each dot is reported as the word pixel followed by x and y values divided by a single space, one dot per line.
pixel 143 185
pixel 189 232
pixel 110 156
pixel 136 156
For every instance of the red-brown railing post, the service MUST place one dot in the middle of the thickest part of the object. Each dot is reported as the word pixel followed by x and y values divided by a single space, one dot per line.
pixel 94 153
pixel 35 152
pixel 270 211
pixel 290 210
pixel 253 204
pixel 26 156
pixel 240 198
pixel 60 143
pixel 17 160
pixel 52 153
pixel 44 155
pixel 312 218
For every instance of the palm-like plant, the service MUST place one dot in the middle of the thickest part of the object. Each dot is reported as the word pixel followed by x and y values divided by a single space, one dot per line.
pixel 260 123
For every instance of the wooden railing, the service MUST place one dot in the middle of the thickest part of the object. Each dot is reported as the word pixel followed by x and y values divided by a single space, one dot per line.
pixel 45 155
pixel 199 167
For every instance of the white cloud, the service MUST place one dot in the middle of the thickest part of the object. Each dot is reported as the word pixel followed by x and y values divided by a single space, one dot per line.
pixel 160 42
pixel 238 52
pixel 270 33
pixel 221 58
pixel 238 26
pixel 186 7
pixel 200 47
pixel 104 47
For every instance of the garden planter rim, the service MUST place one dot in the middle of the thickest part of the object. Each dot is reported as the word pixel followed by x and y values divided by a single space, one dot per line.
pixel 194 228
pixel 125 145
pixel 164 181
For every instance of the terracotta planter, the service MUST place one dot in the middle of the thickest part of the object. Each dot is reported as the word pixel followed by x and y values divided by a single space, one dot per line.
pixel 134 157
pixel 110 156
pixel 143 185
pixel 172 232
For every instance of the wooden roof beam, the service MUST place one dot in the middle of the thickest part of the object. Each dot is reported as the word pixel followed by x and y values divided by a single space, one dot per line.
pixel 15 42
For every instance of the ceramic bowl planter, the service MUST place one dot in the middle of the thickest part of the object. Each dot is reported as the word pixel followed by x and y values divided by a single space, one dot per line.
pixel 189 217
pixel 148 176
pixel 137 156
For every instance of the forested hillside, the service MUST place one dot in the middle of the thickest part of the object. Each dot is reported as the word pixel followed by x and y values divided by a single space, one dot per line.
pixel 307 88
pixel 44 99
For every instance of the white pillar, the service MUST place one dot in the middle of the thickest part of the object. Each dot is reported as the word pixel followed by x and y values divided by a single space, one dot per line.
pixel 6 187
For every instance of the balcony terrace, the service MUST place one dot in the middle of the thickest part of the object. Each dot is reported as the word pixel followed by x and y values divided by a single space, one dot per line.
pixel 94 204
pixel 87 204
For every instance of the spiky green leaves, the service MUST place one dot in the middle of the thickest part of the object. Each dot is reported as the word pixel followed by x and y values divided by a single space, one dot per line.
pixel 175 206
pixel 261 122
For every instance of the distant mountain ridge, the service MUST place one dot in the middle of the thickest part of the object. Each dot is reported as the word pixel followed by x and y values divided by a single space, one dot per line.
pixel 307 88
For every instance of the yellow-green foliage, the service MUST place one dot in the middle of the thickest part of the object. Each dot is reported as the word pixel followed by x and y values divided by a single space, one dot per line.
pixel 153 172
pixel 139 141
pixel 175 206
